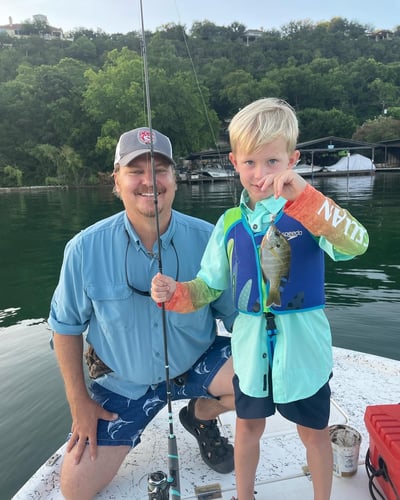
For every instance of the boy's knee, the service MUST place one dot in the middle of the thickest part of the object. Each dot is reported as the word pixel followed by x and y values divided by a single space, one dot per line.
pixel 314 437
pixel 251 427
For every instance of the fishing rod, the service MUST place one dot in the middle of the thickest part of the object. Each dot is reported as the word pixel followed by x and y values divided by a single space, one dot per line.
pixel 158 488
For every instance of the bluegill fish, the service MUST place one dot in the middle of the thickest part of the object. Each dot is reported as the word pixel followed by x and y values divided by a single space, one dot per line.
pixel 275 262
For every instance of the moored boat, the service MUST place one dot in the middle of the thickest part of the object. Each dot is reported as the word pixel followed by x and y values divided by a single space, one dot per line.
pixel 216 171
pixel 303 169
pixel 210 172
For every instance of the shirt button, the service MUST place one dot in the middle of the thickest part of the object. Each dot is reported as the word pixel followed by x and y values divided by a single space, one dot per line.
pixel 155 325
pixel 157 354
pixel 255 226
pixel 264 355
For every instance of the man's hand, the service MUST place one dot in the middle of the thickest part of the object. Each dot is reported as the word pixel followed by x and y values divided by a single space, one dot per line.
pixel 84 428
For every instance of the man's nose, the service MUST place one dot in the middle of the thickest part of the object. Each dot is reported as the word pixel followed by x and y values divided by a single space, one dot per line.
pixel 148 175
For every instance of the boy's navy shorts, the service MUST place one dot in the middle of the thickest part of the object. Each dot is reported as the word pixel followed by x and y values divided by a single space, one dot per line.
pixel 312 412
pixel 135 414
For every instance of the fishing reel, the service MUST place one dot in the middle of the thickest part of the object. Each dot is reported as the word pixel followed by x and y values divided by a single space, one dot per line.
pixel 157 486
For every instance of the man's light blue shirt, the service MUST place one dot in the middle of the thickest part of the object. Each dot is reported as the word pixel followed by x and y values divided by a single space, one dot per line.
pixel 94 294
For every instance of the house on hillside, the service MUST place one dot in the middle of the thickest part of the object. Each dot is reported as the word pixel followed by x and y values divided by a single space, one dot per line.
pixel 381 35
pixel 17 30
pixel 251 35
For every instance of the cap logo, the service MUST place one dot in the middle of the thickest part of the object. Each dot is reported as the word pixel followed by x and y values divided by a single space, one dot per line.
pixel 144 137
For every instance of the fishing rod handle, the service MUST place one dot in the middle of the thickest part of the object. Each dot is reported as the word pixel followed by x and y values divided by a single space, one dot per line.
pixel 173 467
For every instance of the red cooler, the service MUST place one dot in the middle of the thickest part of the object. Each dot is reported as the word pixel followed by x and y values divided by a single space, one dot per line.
pixel 383 425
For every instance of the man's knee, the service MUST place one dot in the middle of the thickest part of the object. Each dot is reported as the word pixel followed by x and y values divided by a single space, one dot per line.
pixel 84 480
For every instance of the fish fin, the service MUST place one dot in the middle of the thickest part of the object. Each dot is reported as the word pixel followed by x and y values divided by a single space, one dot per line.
pixel 274 298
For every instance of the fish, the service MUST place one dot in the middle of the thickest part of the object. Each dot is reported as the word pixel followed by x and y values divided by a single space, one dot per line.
pixel 275 255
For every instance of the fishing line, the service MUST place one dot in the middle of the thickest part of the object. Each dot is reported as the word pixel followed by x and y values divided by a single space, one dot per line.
pixel 232 188
pixel 173 461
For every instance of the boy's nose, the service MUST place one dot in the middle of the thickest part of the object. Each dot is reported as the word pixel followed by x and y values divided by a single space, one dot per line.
pixel 260 170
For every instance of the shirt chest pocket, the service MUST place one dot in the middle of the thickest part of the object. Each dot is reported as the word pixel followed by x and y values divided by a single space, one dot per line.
pixel 111 304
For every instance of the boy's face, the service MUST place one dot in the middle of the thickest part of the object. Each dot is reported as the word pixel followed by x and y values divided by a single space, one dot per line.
pixel 271 159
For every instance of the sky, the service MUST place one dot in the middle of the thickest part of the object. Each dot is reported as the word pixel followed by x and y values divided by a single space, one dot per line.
pixel 122 16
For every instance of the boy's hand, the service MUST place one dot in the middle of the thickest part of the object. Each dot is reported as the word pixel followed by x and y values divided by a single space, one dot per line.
pixel 162 288
pixel 287 184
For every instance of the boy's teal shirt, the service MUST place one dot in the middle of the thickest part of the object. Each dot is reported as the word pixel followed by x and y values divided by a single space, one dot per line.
pixel 302 361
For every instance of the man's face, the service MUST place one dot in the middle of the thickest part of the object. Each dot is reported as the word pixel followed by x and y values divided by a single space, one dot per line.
pixel 134 185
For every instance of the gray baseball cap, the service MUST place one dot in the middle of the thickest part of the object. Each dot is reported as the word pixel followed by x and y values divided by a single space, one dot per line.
pixel 137 142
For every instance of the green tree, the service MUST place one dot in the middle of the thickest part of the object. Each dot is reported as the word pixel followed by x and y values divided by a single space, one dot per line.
pixel 180 110
pixel 10 58
pixel 317 123
pixel 83 49
pixel 378 129
pixel 48 158
pixel 42 105
pixel 357 77
pixel 116 101
pixel 70 166
pixel 239 89
pixel 11 176
pixel 35 27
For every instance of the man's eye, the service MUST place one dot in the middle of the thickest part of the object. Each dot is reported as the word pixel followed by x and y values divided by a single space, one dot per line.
pixel 161 170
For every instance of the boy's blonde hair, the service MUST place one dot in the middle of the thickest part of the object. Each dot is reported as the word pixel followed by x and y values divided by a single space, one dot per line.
pixel 260 123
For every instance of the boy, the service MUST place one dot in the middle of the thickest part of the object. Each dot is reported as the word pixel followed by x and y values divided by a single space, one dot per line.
pixel 282 351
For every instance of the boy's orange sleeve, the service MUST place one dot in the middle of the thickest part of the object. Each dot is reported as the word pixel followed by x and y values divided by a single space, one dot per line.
pixel 191 295
pixel 181 300
pixel 323 217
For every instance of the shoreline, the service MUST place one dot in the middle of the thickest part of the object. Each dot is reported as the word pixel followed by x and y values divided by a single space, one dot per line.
pixel 310 174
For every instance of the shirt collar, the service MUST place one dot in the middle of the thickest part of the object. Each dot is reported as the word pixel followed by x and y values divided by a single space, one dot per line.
pixel 134 237
pixel 271 205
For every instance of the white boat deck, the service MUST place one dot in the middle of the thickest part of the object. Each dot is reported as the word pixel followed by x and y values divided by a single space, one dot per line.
pixel 359 380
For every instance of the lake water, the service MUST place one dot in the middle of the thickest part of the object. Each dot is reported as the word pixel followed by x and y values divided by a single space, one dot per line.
pixel 362 295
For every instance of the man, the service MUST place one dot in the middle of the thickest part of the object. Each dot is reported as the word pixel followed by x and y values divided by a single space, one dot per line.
pixel 104 289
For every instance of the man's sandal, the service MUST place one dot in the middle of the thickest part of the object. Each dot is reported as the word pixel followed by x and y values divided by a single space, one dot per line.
pixel 215 449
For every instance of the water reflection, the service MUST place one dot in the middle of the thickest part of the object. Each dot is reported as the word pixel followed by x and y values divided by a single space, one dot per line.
pixel 356 186
pixel 38 224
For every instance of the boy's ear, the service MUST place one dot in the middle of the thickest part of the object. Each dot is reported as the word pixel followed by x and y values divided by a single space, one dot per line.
pixel 294 158
pixel 232 159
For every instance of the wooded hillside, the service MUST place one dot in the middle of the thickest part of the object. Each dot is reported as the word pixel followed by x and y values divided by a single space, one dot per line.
pixel 64 103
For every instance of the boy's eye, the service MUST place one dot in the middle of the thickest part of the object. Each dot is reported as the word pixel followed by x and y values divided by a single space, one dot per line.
pixel 272 162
